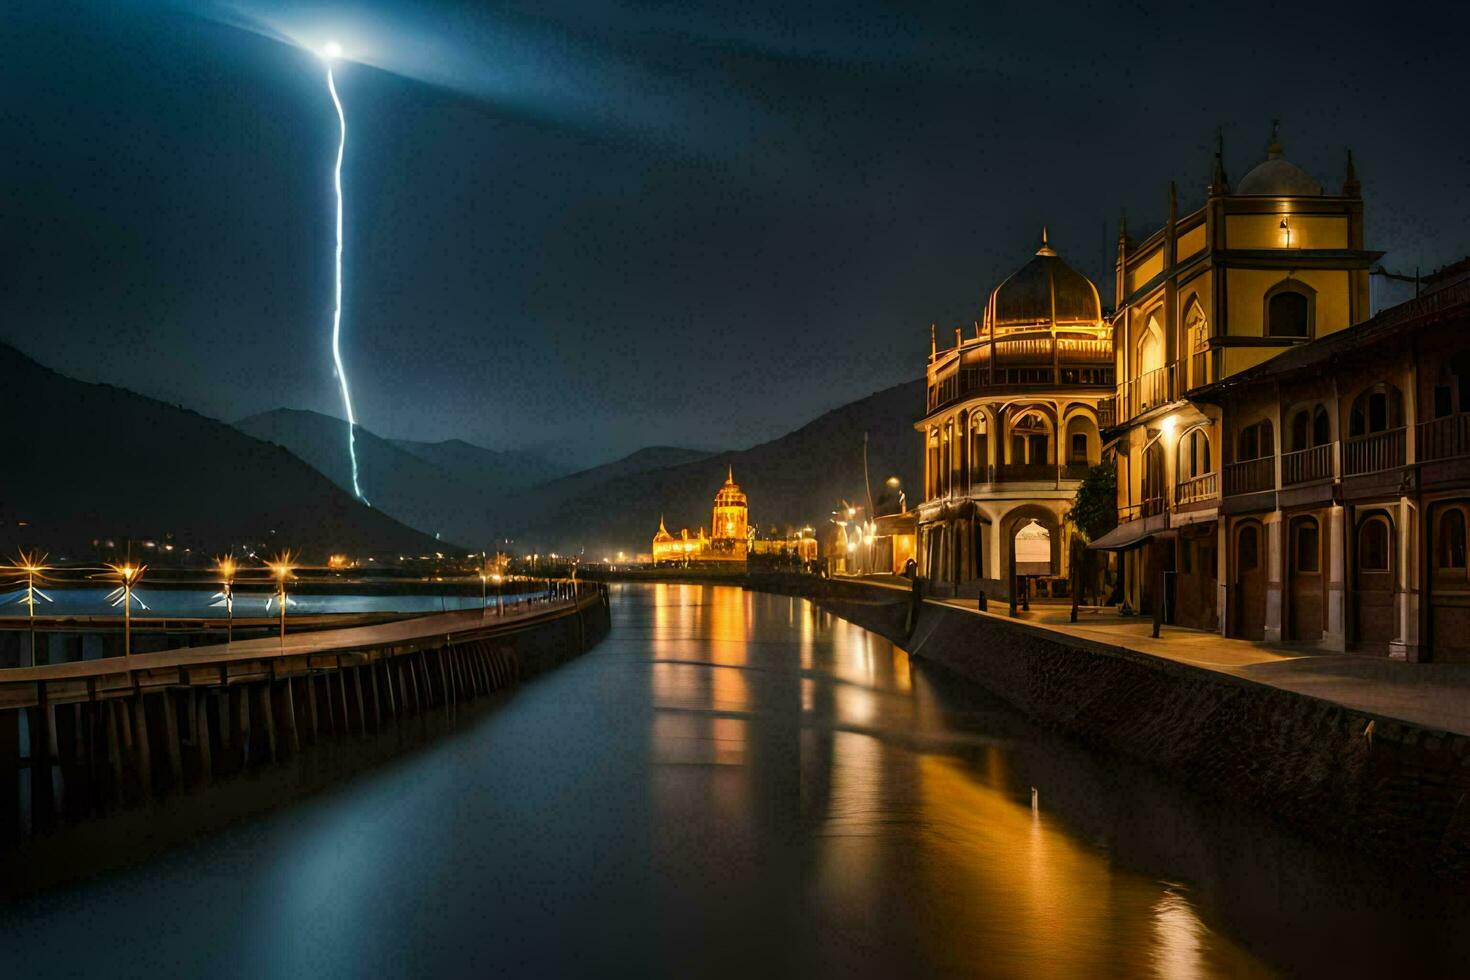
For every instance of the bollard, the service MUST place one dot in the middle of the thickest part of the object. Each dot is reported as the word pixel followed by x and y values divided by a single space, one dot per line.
pixel 983 602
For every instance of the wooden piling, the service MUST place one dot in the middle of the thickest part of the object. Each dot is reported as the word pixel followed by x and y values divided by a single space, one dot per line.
pixel 171 740
pixel 142 754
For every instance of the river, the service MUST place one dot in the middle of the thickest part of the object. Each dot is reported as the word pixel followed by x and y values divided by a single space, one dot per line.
pixel 737 783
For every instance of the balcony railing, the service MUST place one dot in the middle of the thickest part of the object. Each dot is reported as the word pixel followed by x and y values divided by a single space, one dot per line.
pixel 1144 392
pixel 1373 453
pixel 1197 488
pixel 1076 471
pixel 1152 506
pixel 1250 476
pixel 1307 465
pixel 1446 438
pixel 1201 372
pixel 1013 472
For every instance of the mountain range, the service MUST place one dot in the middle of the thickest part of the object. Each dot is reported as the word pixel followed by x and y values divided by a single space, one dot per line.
pixel 97 461
pixel 93 461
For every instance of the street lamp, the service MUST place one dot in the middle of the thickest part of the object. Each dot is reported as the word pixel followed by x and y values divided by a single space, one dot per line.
pixel 226 568
pixel 281 569
pixel 128 574
pixel 33 567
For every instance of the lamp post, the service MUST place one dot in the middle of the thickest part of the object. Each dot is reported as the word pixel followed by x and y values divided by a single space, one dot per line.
pixel 281 569
pixel 128 574
pixel 227 568
pixel 33 568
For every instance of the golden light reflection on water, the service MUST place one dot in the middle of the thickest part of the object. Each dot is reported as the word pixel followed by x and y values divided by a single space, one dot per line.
pixel 916 831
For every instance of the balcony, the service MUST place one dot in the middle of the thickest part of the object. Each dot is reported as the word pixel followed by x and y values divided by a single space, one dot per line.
pixel 1145 392
pixel 1076 471
pixel 1446 438
pixel 1373 453
pixel 1197 488
pixel 1307 465
pixel 1152 506
pixel 1250 476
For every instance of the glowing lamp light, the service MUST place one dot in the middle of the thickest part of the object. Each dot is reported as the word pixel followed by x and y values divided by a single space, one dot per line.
pixel 331 50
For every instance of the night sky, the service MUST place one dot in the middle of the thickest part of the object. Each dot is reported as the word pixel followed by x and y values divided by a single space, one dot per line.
pixel 588 227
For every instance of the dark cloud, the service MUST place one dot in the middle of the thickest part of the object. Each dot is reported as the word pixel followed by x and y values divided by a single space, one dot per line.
pixel 597 226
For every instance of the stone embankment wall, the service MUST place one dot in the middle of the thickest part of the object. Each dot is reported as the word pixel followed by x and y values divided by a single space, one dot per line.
pixel 1365 783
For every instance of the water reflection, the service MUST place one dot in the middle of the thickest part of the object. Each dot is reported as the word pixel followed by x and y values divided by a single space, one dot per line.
pixel 739 784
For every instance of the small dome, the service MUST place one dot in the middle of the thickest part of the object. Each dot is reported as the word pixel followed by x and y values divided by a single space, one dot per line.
pixel 1277 176
pixel 1027 297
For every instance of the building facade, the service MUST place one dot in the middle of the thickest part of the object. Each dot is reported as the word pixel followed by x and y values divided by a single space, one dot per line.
pixel 1345 529
pixel 1012 425
pixel 1258 270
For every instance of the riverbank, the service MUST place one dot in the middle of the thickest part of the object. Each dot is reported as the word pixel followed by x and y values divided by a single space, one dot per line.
pixel 1354 778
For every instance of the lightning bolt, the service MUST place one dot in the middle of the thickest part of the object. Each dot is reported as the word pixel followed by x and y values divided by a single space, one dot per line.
pixel 337 309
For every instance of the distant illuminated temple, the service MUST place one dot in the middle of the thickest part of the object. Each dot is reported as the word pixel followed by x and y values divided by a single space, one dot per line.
pixel 731 537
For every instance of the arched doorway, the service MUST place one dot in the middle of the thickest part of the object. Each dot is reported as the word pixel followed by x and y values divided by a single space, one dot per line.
pixel 1375 620
pixel 1449 597
pixel 1305 596
pixel 1248 565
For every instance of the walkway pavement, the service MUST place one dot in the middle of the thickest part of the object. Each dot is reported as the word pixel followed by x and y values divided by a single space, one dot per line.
pixel 1429 694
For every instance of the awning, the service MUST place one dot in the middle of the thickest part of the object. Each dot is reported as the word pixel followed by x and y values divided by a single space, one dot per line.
pixel 1130 535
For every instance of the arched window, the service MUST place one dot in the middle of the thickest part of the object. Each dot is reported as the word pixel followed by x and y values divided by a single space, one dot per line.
pixel 1450 540
pixel 931 490
pixel 1194 454
pixel 1373 548
pixel 1153 489
pixel 979 449
pixel 1377 409
pixel 1289 310
pixel 1030 440
pixel 1254 442
pixel 1306 545
pixel 1301 430
pixel 1196 327
pixel 1151 346
pixel 1081 438
pixel 1247 549
pixel 1321 427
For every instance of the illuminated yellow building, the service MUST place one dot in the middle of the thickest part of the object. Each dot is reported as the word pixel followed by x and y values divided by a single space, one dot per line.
pixel 733 539
pixel 1255 271
pixel 1014 414
pixel 685 547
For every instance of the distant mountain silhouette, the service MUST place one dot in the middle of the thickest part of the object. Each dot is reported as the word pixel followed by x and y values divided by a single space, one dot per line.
pixel 492 471
pixel 463 492
pixel 87 461
pixel 795 480
pixel 412 489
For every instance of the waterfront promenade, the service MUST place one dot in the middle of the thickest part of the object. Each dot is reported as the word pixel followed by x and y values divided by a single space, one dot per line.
pixel 1429 694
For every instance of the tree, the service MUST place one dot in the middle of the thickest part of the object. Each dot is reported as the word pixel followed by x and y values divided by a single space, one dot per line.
pixel 1095 508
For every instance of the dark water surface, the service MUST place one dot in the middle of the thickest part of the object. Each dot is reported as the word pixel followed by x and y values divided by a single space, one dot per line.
pixel 735 783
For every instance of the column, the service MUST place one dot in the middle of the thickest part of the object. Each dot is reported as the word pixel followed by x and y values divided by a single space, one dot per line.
pixel 1222 575
pixel 1335 635
pixel 1406 645
pixel 1274 577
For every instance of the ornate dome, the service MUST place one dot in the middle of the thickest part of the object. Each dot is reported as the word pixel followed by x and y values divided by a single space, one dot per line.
pixel 1277 176
pixel 1043 291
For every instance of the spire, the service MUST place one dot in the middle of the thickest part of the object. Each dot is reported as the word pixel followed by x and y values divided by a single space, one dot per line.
pixel 661 528
pixel 1219 183
pixel 933 348
pixel 729 474
pixel 1045 248
pixel 1351 186
pixel 1273 151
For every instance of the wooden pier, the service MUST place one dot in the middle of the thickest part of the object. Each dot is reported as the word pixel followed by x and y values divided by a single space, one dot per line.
pixel 81 737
